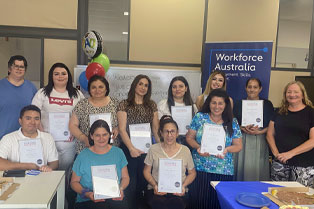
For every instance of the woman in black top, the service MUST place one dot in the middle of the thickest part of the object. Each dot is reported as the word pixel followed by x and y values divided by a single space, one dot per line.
pixel 290 136
pixel 252 163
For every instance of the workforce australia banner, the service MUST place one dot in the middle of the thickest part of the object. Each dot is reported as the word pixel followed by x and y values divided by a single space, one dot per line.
pixel 239 61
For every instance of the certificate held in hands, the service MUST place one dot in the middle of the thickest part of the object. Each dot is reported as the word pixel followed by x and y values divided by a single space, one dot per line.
pixel 183 116
pixel 170 176
pixel 252 113
pixel 140 135
pixel 102 116
pixel 213 139
pixel 105 182
pixel 59 125
pixel 31 151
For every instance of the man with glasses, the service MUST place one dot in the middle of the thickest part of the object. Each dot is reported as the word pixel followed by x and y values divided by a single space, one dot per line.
pixel 15 93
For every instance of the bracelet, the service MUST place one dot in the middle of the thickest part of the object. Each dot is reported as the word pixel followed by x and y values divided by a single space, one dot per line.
pixel 84 191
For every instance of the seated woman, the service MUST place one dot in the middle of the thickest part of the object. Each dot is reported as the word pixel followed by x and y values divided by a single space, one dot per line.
pixel 290 136
pixel 168 149
pixel 100 152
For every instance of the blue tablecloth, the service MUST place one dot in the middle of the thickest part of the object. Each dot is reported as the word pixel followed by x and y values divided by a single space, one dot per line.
pixel 228 190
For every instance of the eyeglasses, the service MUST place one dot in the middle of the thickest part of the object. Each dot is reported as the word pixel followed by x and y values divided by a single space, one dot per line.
pixel 16 67
pixel 171 132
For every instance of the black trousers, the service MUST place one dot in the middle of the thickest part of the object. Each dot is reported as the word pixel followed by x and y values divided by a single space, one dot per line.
pixel 202 194
pixel 138 185
pixel 108 204
pixel 168 201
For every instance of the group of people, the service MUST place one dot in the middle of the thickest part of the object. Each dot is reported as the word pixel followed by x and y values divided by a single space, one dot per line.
pixel 25 112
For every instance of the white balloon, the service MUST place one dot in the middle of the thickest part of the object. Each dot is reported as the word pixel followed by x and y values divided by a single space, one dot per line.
pixel 90 44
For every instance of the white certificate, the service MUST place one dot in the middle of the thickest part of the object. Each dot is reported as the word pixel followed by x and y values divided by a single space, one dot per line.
pixel 170 176
pixel 183 117
pixel 59 125
pixel 252 113
pixel 140 135
pixel 102 116
pixel 105 182
pixel 213 139
pixel 31 151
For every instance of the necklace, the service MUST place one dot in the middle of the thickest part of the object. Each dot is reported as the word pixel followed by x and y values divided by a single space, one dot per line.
pixel 217 121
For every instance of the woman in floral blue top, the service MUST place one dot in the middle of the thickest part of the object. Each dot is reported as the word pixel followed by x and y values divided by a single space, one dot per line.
pixel 216 110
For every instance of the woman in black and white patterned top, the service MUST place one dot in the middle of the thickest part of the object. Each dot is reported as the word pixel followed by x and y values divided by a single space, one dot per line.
pixel 98 103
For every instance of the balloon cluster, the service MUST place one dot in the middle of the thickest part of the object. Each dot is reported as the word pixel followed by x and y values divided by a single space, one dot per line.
pixel 99 65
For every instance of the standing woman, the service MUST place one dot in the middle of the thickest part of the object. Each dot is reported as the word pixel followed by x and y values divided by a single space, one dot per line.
pixel 216 80
pixel 290 136
pixel 216 110
pixel 136 109
pixel 168 149
pixel 99 153
pixel 252 163
pixel 59 96
pixel 178 95
pixel 99 102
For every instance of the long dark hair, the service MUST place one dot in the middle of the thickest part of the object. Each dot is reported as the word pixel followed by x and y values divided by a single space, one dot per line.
pixel 73 92
pixel 187 99
pixel 227 115
pixel 95 125
pixel 131 94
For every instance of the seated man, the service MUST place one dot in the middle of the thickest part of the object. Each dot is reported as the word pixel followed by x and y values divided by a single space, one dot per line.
pixel 10 150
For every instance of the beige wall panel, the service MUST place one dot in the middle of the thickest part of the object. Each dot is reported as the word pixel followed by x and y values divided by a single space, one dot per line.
pixel 157 67
pixel 39 13
pixel 242 20
pixel 278 80
pixel 59 51
pixel 166 31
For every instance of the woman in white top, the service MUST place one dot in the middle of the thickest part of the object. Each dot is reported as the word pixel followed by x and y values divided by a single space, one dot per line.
pixel 59 96
pixel 178 95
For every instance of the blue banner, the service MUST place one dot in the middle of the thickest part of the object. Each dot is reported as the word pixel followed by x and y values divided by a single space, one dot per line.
pixel 239 61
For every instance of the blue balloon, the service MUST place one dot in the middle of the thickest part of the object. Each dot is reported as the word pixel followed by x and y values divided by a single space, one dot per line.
pixel 83 81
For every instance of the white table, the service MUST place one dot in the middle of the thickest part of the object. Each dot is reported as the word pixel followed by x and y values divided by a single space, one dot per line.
pixel 279 183
pixel 37 191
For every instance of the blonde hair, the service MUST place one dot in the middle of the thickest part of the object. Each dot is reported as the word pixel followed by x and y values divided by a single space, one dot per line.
pixel 210 79
pixel 283 109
